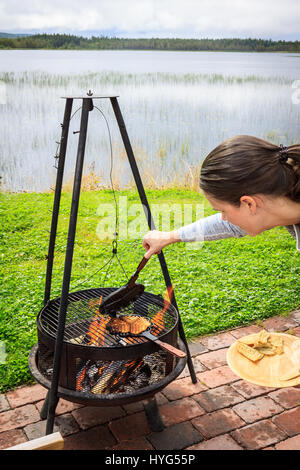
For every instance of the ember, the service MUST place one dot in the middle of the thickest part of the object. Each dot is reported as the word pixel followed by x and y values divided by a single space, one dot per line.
pixel 121 376
pixel 158 318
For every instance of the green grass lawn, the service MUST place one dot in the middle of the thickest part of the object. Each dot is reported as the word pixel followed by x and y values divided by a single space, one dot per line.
pixel 223 284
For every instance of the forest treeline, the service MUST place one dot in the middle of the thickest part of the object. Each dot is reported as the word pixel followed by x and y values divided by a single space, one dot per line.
pixel 66 41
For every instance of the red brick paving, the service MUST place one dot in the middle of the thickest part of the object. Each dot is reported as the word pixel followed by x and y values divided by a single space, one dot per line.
pixel 134 444
pixel 293 443
pixel 244 331
pixel 218 422
pixel 12 438
pixel 249 390
pixel 287 397
pixel 224 442
pixel 25 395
pixel 198 366
pixel 130 427
pixel 217 398
pixel 216 377
pixel 220 412
pixel 89 416
pixel 258 435
pixel 296 331
pixel 289 421
pixel 222 340
pixel 18 418
pixel 180 410
pixel 256 409
pixel 214 359
pixel 279 324
pixel 183 388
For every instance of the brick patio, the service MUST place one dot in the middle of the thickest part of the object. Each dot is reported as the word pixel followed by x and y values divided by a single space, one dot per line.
pixel 220 412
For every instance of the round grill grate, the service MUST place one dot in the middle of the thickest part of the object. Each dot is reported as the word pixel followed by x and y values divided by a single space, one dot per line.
pixel 85 326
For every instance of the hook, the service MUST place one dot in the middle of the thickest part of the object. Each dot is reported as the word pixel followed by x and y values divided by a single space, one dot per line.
pixel 115 247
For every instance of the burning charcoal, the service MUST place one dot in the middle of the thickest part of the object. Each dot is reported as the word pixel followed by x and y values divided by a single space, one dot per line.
pixel 114 375
pixel 81 376
pixel 108 373
pixel 151 371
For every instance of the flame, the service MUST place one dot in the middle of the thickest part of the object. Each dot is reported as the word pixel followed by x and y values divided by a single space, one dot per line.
pixel 81 376
pixel 128 368
pixel 158 319
pixel 97 326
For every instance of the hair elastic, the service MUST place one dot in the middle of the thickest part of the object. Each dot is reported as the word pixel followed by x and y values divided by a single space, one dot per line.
pixel 283 154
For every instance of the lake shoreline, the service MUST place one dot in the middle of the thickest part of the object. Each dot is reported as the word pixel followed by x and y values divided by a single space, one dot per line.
pixel 146 50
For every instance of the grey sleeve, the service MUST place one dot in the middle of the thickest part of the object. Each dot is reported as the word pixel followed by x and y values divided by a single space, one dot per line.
pixel 210 228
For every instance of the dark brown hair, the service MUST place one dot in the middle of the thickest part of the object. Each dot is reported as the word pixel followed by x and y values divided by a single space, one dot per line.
pixel 247 165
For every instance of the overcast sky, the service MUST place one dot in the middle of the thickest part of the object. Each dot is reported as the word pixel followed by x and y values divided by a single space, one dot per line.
pixel 267 19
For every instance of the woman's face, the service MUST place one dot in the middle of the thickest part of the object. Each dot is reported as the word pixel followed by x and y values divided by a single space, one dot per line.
pixel 250 216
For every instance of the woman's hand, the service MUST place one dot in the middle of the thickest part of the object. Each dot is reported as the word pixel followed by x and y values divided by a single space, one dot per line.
pixel 154 241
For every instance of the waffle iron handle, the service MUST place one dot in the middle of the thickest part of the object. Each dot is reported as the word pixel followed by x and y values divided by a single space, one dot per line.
pixel 171 349
pixel 133 278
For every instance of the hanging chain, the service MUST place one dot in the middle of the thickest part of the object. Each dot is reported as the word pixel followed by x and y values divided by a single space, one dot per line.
pixel 115 234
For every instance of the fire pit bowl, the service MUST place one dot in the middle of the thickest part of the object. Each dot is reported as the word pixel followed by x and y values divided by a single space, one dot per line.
pixel 103 369
pixel 113 399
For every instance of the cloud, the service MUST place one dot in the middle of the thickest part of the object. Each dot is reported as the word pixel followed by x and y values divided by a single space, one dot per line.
pixel 188 18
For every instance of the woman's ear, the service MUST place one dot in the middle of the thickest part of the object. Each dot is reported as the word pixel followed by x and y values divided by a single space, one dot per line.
pixel 250 203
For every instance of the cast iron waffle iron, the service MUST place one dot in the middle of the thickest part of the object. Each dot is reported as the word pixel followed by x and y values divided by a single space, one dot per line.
pixel 125 295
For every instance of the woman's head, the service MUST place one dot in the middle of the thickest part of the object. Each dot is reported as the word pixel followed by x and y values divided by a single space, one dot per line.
pixel 246 172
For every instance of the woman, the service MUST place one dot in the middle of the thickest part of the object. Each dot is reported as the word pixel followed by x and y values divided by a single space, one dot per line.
pixel 255 186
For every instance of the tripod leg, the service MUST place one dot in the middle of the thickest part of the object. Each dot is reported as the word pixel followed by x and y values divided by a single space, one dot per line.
pixel 44 410
pixel 56 203
pixel 153 415
pixel 53 398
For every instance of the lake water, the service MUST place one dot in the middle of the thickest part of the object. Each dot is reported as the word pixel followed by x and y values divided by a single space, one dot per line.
pixel 177 107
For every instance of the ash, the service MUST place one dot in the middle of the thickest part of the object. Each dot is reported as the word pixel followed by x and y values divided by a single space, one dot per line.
pixel 152 371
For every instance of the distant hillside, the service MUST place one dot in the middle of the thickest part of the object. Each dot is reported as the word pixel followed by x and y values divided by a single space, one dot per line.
pixel 11 36
pixel 68 41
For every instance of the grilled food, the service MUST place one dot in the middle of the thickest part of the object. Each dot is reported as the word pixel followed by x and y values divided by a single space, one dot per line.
pixel 128 324
pixel 265 343
pixel 277 344
pixel 262 339
pixel 136 324
pixel 130 319
pixel 117 325
pixel 248 352
pixel 139 326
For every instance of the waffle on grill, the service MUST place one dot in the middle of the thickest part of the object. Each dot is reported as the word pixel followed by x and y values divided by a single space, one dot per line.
pixel 139 326
pixel 129 319
pixel 118 326
pixel 128 324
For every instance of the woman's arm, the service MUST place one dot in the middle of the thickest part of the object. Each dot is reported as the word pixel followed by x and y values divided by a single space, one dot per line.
pixel 206 229
pixel 210 228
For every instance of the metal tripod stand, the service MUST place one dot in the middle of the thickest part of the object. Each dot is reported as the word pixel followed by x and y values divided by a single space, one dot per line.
pixel 87 106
